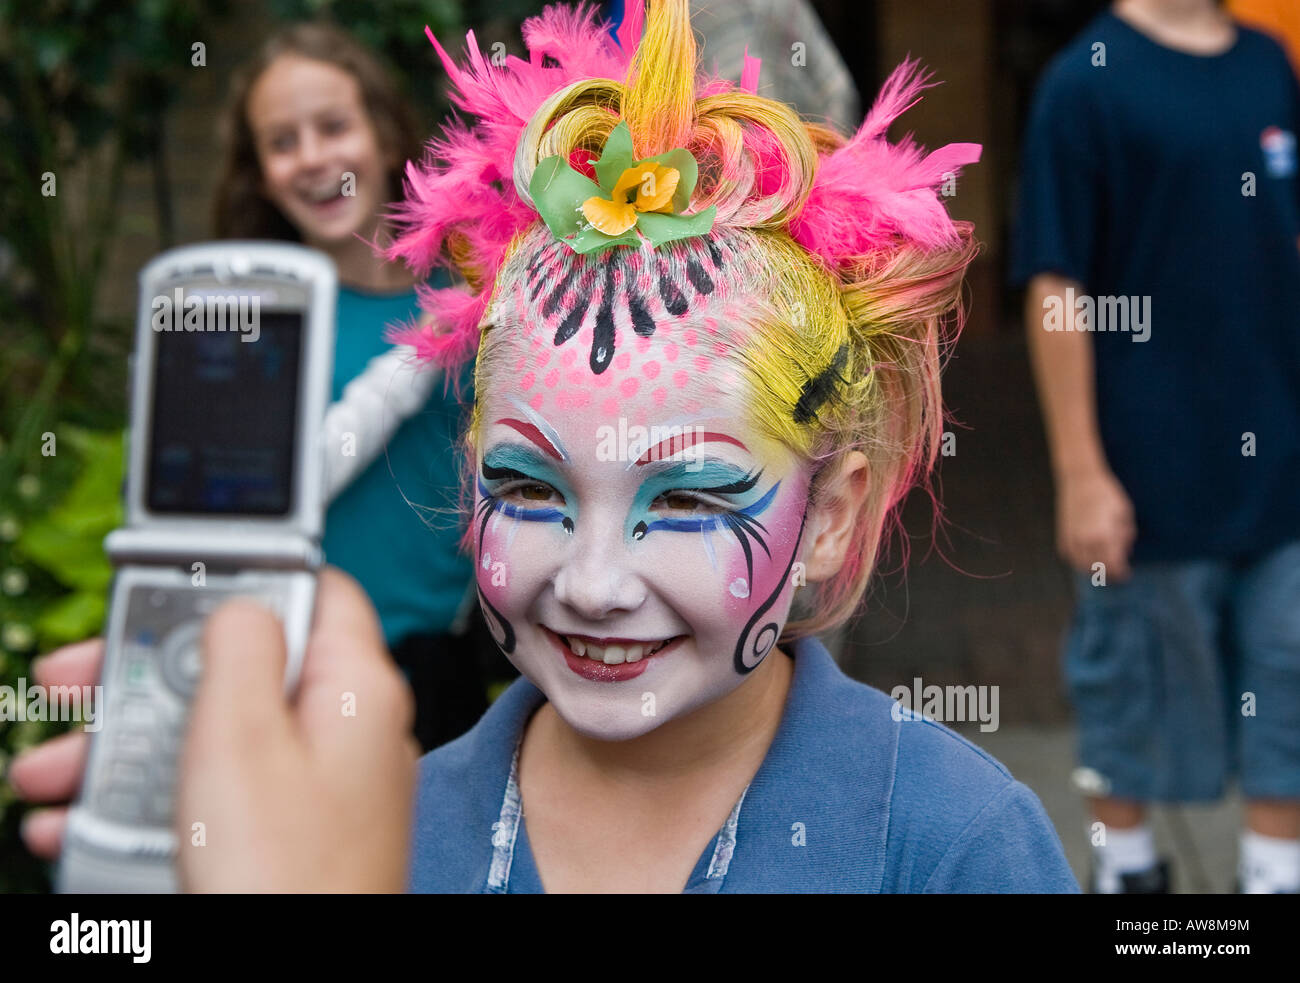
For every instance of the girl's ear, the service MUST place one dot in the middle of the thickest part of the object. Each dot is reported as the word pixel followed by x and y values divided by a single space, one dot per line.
pixel 840 501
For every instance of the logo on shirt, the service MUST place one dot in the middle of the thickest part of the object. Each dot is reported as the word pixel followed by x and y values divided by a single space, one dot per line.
pixel 1278 146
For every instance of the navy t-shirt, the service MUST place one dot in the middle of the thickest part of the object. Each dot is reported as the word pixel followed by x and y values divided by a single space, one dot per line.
pixel 1171 176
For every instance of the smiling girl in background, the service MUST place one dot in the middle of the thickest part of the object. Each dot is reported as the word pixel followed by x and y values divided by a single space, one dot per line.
pixel 316 138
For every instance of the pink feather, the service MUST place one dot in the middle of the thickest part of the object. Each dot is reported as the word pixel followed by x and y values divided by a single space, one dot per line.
pixel 870 193
pixel 465 186
pixel 749 73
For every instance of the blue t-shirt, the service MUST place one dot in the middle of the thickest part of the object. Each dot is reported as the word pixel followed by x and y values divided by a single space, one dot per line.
pixel 407 560
pixel 1132 183
pixel 851 797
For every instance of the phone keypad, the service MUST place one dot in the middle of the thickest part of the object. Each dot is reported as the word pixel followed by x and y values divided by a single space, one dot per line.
pixel 148 705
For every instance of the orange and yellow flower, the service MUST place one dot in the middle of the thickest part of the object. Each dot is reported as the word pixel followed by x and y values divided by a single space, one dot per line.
pixel 631 202
pixel 654 185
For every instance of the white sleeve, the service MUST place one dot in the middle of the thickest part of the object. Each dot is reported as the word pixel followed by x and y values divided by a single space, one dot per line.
pixel 391 389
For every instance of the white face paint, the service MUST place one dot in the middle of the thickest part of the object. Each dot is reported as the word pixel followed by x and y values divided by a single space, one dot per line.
pixel 589 524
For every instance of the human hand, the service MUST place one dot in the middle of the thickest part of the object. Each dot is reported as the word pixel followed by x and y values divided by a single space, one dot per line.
pixel 311 797
pixel 1095 523
pixel 50 773
pixel 294 797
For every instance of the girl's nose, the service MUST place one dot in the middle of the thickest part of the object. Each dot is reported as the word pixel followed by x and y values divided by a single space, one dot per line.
pixel 594 579
pixel 311 149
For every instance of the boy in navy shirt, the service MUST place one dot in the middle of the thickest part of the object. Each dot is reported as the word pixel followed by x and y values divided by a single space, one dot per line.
pixel 1158 232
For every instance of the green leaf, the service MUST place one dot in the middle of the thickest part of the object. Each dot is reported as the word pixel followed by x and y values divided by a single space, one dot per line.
pixel 688 171
pixel 72 557
pixel 593 240
pixel 95 498
pixel 660 228
pixel 68 540
pixel 615 158
pixel 559 191
pixel 78 615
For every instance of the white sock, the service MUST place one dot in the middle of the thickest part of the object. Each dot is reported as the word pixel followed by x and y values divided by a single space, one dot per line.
pixel 1125 851
pixel 1268 863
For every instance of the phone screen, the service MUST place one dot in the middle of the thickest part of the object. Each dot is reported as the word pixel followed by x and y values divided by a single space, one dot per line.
pixel 224 419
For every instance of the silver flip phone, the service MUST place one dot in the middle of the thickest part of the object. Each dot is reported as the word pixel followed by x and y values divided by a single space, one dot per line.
pixel 225 496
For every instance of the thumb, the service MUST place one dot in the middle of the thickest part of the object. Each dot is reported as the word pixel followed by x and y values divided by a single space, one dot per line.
pixel 240 700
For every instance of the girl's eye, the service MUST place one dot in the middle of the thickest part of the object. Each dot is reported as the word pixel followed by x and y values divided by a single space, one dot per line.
pixel 676 501
pixel 532 491
pixel 334 126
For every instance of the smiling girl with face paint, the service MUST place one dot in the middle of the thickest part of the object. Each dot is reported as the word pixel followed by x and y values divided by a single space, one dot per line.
pixel 760 301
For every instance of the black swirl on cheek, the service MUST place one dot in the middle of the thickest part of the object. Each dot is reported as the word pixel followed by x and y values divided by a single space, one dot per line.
pixel 502 632
pixel 750 652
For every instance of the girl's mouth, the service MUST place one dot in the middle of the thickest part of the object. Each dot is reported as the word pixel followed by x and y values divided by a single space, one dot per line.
pixel 613 662
pixel 324 199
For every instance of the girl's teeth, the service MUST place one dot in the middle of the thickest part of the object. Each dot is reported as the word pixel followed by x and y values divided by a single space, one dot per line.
pixel 612 655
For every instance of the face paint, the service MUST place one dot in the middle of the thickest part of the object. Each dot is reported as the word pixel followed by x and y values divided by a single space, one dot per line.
pixel 632 588
pixel 640 288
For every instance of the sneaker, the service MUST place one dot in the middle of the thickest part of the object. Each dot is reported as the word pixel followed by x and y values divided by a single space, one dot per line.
pixel 1155 880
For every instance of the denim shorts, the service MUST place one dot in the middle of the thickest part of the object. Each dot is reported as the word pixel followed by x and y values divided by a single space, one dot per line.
pixel 1187 676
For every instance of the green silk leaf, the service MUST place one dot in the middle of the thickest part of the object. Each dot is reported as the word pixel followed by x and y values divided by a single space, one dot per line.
pixel 558 191
pixel 660 228
pixel 615 158
pixel 593 240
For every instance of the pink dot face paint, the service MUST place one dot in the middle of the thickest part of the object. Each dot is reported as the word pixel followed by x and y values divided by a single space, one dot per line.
pixel 634 560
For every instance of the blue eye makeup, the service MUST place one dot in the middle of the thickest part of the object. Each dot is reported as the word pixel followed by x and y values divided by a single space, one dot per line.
pixel 710 478
pixel 509 467
pixel 714 478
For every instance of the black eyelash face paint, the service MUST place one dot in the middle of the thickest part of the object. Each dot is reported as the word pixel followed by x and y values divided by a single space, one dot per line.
pixel 744 528
pixel 602 336
pixel 739 486
pixel 747 655
pixel 564 289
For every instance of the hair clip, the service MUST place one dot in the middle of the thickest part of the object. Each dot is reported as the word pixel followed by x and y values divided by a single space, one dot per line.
pixel 629 201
